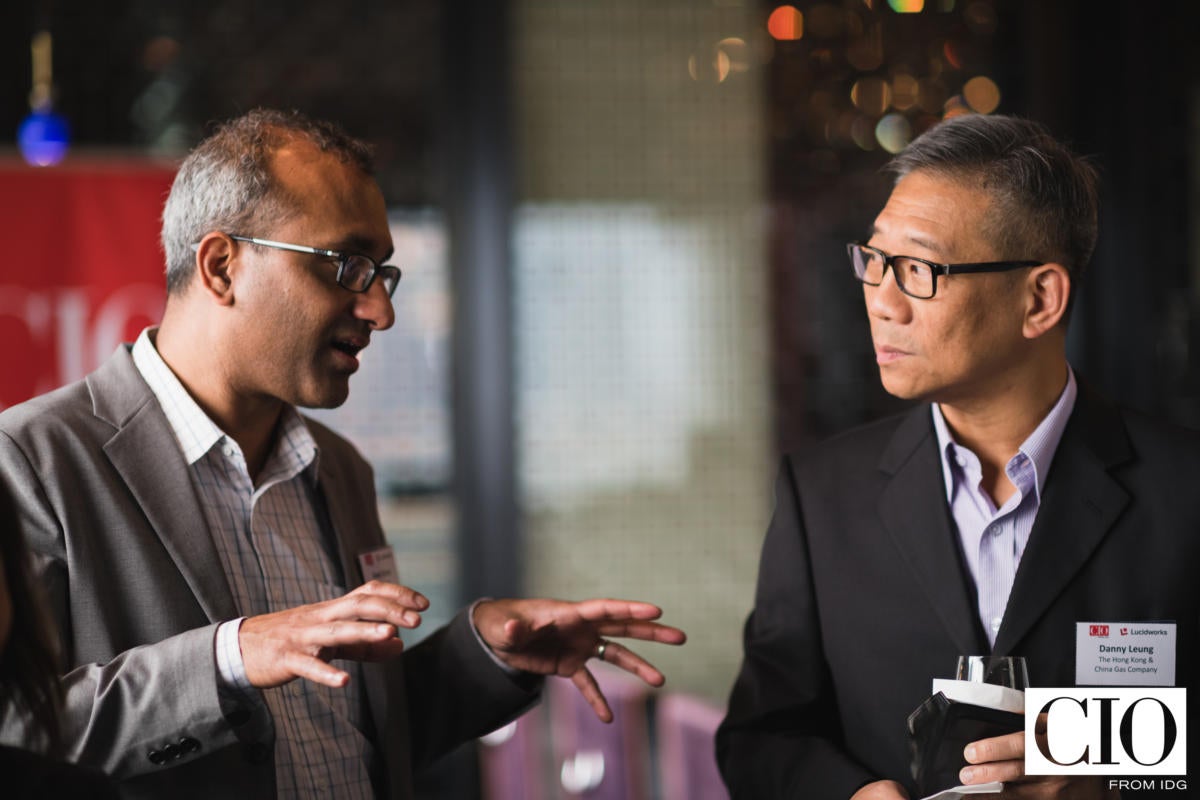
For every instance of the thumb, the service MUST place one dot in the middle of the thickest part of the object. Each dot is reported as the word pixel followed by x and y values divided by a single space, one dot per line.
pixel 516 632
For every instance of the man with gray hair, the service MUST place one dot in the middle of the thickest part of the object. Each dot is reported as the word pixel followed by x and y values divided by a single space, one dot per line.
pixel 1011 505
pixel 212 557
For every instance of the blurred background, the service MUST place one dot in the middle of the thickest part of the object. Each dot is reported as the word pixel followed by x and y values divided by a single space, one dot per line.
pixel 622 229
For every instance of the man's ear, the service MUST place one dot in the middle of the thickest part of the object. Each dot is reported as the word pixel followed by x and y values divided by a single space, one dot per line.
pixel 1047 294
pixel 214 266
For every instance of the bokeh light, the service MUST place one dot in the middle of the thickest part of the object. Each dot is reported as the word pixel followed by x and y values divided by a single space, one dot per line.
pixel 871 95
pixel 786 24
pixel 907 6
pixel 862 131
pixel 894 133
pixel 43 138
pixel 982 94
pixel 953 52
pixel 955 107
pixel 905 91
pixel 736 52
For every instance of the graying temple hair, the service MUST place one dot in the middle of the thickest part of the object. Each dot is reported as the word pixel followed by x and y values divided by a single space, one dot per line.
pixel 225 183
pixel 1044 196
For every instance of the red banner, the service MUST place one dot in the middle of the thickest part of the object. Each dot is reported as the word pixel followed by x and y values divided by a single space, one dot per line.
pixel 81 271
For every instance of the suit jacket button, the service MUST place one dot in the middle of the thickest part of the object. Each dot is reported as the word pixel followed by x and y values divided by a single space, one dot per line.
pixel 189 744
pixel 173 751
pixel 156 757
pixel 257 753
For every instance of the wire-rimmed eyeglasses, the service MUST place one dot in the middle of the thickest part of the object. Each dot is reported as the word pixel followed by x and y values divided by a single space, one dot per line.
pixel 356 272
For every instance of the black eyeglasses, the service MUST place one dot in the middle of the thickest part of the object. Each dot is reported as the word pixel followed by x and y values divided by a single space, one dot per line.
pixel 917 277
pixel 356 272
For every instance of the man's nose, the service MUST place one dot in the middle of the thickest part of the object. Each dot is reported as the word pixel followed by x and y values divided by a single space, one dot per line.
pixel 886 301
pixel 375 306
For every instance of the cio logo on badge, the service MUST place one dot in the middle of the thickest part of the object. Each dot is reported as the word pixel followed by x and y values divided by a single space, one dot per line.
pixel 1097 630
pixel 1106 731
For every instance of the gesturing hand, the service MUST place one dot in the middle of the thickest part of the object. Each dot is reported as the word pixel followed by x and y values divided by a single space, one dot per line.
pixel 297 643
pixel 554 637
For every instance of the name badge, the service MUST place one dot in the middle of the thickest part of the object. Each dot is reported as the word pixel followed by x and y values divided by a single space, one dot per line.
pixel 378 565
pixel 1124 653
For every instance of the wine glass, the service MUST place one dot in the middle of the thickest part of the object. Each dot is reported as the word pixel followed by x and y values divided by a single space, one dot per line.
pixel 1009 671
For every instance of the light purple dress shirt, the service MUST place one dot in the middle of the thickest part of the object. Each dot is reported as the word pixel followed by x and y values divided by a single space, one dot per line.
pixel 993 539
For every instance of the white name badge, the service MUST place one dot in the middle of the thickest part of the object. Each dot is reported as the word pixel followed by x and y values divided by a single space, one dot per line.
pixel 1124 653
pixel 379 565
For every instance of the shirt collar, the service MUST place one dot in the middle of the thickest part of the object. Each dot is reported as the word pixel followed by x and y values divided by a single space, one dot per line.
pixel 1039 447
pixel 294 450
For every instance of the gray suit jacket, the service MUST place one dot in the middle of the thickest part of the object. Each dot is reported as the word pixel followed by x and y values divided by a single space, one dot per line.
pixel 136 589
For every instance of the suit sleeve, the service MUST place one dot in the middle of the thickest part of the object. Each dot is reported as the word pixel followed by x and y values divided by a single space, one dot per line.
pixel 117 714
pixel 456 691
pixel 781 737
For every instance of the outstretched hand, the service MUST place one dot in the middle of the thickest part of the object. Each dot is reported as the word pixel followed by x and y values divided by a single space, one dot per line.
pixel 555 637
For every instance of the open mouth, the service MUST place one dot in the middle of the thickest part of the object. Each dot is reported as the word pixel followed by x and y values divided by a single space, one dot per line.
pixel 351 347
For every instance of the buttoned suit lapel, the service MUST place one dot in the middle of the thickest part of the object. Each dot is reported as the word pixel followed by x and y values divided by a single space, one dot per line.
pixel 146 454
pixel 1080 503
pixel 912 507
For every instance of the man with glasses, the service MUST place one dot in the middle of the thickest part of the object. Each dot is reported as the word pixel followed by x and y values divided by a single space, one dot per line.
pixel 211 556
pixel 1011 504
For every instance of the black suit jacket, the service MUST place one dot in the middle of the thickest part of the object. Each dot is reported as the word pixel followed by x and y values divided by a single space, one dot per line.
pixel 863 596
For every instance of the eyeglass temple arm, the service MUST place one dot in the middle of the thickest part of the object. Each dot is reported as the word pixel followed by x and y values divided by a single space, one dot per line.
pixel 988 266
pixel 295 248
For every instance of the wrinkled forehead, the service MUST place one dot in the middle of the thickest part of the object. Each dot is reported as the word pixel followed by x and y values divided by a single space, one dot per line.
pixel 937 216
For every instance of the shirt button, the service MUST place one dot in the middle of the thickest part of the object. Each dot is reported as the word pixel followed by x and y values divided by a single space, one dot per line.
pixel 228 450
pixel 996 624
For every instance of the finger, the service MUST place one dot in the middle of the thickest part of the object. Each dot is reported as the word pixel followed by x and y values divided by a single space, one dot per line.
pixel 620 656
pixel 344 633
pixel 585 682
pixel 315 670
pixel 998 748
pixel 645 631
pixel 512 634
pixel 409 598
pixel 595 610
pixel 992 771
pixel 371 607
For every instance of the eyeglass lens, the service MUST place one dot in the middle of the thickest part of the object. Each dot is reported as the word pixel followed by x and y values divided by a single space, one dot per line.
pixel 357 272
pixel 914 277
